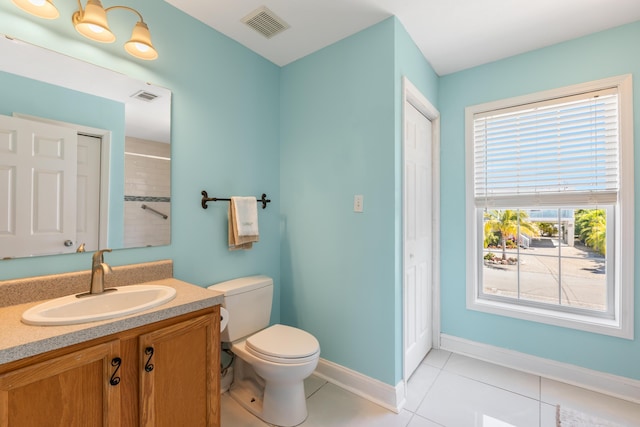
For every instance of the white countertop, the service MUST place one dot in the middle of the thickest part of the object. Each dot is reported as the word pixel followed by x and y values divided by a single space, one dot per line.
pixel 19 340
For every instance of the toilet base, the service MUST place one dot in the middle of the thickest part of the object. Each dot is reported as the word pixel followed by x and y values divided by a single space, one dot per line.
pixel 278 404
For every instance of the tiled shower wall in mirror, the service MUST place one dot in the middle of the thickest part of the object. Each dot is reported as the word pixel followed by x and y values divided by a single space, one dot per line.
pixel 147 205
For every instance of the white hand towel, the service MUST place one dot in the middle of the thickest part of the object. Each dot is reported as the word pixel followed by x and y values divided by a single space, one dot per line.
pixel 243 223
pixel 246 210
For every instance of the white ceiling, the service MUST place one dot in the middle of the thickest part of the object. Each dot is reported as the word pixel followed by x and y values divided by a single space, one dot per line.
pixel 452 34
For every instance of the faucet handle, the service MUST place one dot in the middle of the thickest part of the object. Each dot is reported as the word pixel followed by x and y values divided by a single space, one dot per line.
pixel 106 268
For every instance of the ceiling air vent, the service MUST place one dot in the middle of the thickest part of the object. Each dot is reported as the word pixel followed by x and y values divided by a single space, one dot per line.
pixel 144 96
pixel 265 22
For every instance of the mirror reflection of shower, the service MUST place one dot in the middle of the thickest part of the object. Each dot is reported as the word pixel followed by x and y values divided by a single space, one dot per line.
pixel 147 206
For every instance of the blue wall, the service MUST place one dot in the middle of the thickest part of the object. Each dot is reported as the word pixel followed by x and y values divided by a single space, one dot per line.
pixel 340 109
pixel 337 128
pixel 597 56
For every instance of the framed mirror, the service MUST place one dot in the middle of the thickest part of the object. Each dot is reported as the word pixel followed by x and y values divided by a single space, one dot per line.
pixel 85 156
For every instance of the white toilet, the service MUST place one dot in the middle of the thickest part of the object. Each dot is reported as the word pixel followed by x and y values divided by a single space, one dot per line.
pixel 271 361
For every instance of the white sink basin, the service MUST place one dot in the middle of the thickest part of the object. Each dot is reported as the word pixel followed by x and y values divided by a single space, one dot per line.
pixel 70 310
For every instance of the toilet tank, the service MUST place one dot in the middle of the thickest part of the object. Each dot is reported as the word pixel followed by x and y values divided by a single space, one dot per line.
pixel 248 301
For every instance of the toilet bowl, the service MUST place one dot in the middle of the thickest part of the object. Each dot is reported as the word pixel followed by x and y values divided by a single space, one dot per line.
pixel 270 382
pixel 271 362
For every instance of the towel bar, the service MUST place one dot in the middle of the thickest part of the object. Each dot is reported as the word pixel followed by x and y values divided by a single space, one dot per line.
pixel 206 198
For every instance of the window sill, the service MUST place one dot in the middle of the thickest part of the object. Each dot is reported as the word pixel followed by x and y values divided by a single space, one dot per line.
pixel 611 327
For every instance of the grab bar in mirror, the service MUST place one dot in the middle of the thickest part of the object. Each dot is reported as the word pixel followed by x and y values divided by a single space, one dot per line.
pixel 154 211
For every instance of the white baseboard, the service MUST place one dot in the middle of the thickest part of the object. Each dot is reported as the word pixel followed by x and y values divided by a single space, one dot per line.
pixel 613 385
pixel 385 395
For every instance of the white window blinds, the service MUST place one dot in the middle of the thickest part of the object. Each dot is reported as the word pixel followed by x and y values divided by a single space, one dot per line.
pixel 554 152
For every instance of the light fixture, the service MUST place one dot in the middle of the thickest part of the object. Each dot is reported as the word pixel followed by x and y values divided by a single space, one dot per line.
pixel 139 44
pixel 92 23
pixel 40 8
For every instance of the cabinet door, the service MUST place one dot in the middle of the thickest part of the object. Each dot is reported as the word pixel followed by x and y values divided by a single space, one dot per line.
pixel 178 381
pixel 73 390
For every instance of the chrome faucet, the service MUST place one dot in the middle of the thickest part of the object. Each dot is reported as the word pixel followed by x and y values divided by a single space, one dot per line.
pixel 98 269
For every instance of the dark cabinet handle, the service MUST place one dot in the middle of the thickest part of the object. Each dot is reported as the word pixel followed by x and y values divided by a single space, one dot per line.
pixel 115 362
pixel 148 366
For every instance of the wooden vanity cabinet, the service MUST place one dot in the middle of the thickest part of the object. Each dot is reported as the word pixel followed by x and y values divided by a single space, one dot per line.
pixel 162 374
pixel 178 377
pixel 69 390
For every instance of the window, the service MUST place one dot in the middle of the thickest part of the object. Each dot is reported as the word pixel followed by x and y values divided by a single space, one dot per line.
pixel 550 207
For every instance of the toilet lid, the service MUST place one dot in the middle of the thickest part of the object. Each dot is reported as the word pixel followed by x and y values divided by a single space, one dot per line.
pixel 283 342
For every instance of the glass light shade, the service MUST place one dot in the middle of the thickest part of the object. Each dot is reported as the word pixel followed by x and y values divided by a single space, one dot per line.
pixel 92 22
pixel 140 44
pixel 40 8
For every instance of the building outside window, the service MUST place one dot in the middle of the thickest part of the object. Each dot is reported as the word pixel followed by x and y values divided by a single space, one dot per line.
pixel 550 207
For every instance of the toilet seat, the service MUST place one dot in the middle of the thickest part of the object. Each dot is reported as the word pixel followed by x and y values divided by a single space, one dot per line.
pixel 283 344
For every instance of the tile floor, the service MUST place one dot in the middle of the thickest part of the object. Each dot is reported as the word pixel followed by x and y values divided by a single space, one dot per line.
pixel 452 391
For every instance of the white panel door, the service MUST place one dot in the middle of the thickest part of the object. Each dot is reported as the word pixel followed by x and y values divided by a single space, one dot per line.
pixel 38 178
pixel 417 238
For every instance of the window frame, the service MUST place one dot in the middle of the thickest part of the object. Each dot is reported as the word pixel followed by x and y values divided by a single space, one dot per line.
pixel 621 325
